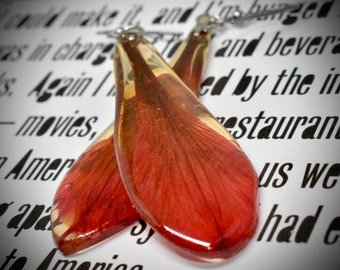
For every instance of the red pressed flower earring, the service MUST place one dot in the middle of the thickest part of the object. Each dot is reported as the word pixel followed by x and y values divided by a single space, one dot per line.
pixel 183 171
pixel 179 169
pixel 91 203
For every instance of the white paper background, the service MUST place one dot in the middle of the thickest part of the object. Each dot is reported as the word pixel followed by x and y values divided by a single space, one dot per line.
pixel 291 198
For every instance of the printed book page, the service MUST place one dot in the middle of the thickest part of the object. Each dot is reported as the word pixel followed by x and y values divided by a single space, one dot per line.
pixel 272 82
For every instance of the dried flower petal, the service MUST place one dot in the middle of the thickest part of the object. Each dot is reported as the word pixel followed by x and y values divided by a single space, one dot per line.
pixel 183 171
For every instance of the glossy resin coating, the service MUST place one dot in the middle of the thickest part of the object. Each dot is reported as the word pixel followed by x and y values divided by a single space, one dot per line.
pixel 184 173
pixel 91 204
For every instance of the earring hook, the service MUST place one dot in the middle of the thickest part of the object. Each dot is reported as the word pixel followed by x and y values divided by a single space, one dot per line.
pixel 131 31
pixel 239 17
pixel 214 23
pixel 205 22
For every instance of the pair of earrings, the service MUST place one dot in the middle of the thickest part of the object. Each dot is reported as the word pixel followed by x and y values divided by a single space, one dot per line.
pixel 168 161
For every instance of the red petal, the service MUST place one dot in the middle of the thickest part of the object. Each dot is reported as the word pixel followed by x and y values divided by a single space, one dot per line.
pixel 183 171
pixel 91 203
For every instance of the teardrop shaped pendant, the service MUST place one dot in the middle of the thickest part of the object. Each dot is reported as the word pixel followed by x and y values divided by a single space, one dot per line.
pixel 91 204
pixel 184 173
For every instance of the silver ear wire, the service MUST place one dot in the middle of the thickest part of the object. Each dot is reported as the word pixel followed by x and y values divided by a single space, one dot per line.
pixel 239 17
pixel 215 23
pixel 131 31
pixel 205 23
